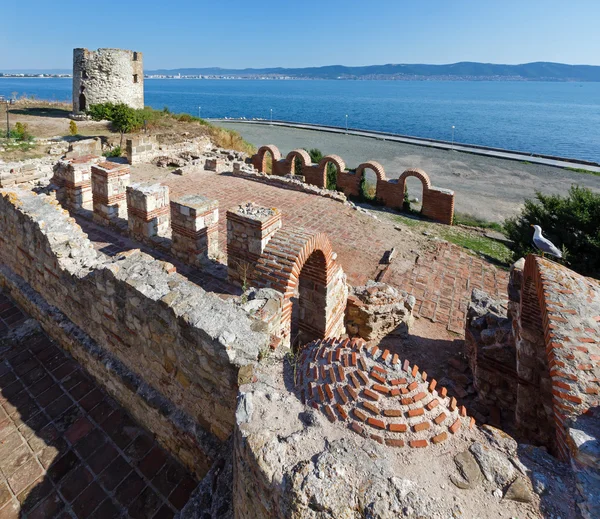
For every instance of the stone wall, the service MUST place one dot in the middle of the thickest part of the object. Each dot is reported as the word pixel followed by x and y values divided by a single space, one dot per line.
pixel 187 346
pixel 107 76
pixel 438 203
pixel 142 148
pixel 84 147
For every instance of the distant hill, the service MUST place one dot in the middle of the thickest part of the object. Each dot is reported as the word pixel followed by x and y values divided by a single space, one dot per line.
pixel 539 71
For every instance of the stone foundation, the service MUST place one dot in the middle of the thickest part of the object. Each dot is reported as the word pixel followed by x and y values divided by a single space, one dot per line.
pixel 142 148
pixel 73 177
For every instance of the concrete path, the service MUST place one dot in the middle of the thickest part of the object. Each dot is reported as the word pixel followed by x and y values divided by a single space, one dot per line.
pixel 486 186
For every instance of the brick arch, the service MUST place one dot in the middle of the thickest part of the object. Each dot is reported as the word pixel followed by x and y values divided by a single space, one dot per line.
pixel 336 159
pixel 418 173
pixel 375 166
pixel 300 154
pixel 556 349
pixel 298 262
pixel 259 160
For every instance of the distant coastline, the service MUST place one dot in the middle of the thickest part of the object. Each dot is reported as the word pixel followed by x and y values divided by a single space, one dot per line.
pixel 463 71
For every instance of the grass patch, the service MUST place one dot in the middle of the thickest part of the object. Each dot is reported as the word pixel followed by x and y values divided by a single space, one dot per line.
pixel 473 221
pixel 229 139
pixel 409 222
pixel 583 170
pixel 493 250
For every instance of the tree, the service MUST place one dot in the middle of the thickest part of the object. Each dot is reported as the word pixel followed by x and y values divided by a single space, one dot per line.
pixel 571 222
pixel 73 128
pixel 124 119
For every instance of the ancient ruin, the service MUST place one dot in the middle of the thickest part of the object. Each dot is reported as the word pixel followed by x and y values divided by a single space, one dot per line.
pixel 107 76
pixel 277 387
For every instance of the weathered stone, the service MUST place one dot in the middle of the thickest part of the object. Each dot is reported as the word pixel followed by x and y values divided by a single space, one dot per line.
pixel 495 466
pixel 519 491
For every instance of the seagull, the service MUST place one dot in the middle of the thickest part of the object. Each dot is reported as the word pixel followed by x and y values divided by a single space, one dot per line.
pixel 544 244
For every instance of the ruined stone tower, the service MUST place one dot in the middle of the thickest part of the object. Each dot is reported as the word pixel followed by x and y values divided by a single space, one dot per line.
pixel 107 75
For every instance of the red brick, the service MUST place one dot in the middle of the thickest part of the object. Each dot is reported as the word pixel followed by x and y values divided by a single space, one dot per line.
pixel 395 392
pixel 364 377
pixel 406 401
pixel 377 438
pixel 392 412
pixel 419 396
pixel 440 418
pixel 329 413
pixel 424 376
pixel 413 385
pixel 341 411
pixel 395 359
pixel 356 428
pixel 394 443
pixel 397 427
pixel 374 422
pixel 353 394
pixel 380 389
pixel 443 392
pixel 463 411
pixel 371 407
pixel 359 414
pixel 432 384
pixel 452 405
pixel 423 426
pixel 370 394
pixel 377 377
pixel 415 412
pixel 455 426
pixel 397 381
pixel 328 391
pixel 415 370
pixel 417 444
pixel 341 394
pixel 439 438
pixel 380 370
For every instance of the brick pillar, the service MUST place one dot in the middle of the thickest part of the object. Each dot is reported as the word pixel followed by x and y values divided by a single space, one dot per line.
pixel 194 226
pixel 75 175
pixel 147 210
pixel 109 184
pixel 249 229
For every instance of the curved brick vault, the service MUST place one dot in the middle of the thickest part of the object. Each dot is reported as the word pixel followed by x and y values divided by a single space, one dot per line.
pixel 301 263
pixel 260 159
pixel 376 395
pixel 559 322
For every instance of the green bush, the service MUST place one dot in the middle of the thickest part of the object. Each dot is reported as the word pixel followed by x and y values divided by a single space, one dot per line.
pixel 117 151
pixel 571 222
pixel 101 111
pixel 73 128
pixel 316 155
pixel 21 132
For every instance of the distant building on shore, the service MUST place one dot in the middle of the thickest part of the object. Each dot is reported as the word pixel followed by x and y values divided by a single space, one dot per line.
pixel 107 75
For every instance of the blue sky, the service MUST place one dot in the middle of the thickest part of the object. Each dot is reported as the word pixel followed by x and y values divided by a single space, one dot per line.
pixel 235 34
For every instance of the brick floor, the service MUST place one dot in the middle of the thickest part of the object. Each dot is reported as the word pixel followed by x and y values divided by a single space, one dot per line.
pixel 67 449
pixel 441 281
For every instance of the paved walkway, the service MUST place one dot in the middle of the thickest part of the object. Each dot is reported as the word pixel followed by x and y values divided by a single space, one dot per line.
pixel 67 450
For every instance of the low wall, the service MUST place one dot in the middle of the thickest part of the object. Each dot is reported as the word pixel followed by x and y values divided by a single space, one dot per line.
pixel 438 203
pixel 189 347
pixel 142 148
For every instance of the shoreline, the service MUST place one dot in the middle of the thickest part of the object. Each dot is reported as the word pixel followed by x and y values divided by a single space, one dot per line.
pixel 520 156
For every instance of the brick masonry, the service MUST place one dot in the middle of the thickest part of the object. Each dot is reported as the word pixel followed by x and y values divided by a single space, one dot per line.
pixel 69 450
pixel 376 395
pixel 142 148
pixel 109 191
pixel 301 264
pixel 175 370
pixel 148 211
pixel 438 203
pixel 194 229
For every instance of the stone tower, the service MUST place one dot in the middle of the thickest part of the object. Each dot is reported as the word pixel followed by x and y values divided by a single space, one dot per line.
pixel 107 75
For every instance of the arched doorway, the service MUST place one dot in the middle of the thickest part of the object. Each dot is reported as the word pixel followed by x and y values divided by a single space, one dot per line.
pixel 370 176
pixel 330 167
pixel 415 191
pixel 298 160
pixel 265 158
pixel 302 266
pixel 82 102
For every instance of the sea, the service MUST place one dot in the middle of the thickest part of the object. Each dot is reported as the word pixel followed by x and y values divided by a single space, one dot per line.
pixel 554 118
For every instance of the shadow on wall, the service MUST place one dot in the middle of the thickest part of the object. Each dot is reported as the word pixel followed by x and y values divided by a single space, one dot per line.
pixel 66 446
pixel 437 203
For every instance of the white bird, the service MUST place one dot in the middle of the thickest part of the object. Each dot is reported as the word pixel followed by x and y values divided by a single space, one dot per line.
pixel 544 244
